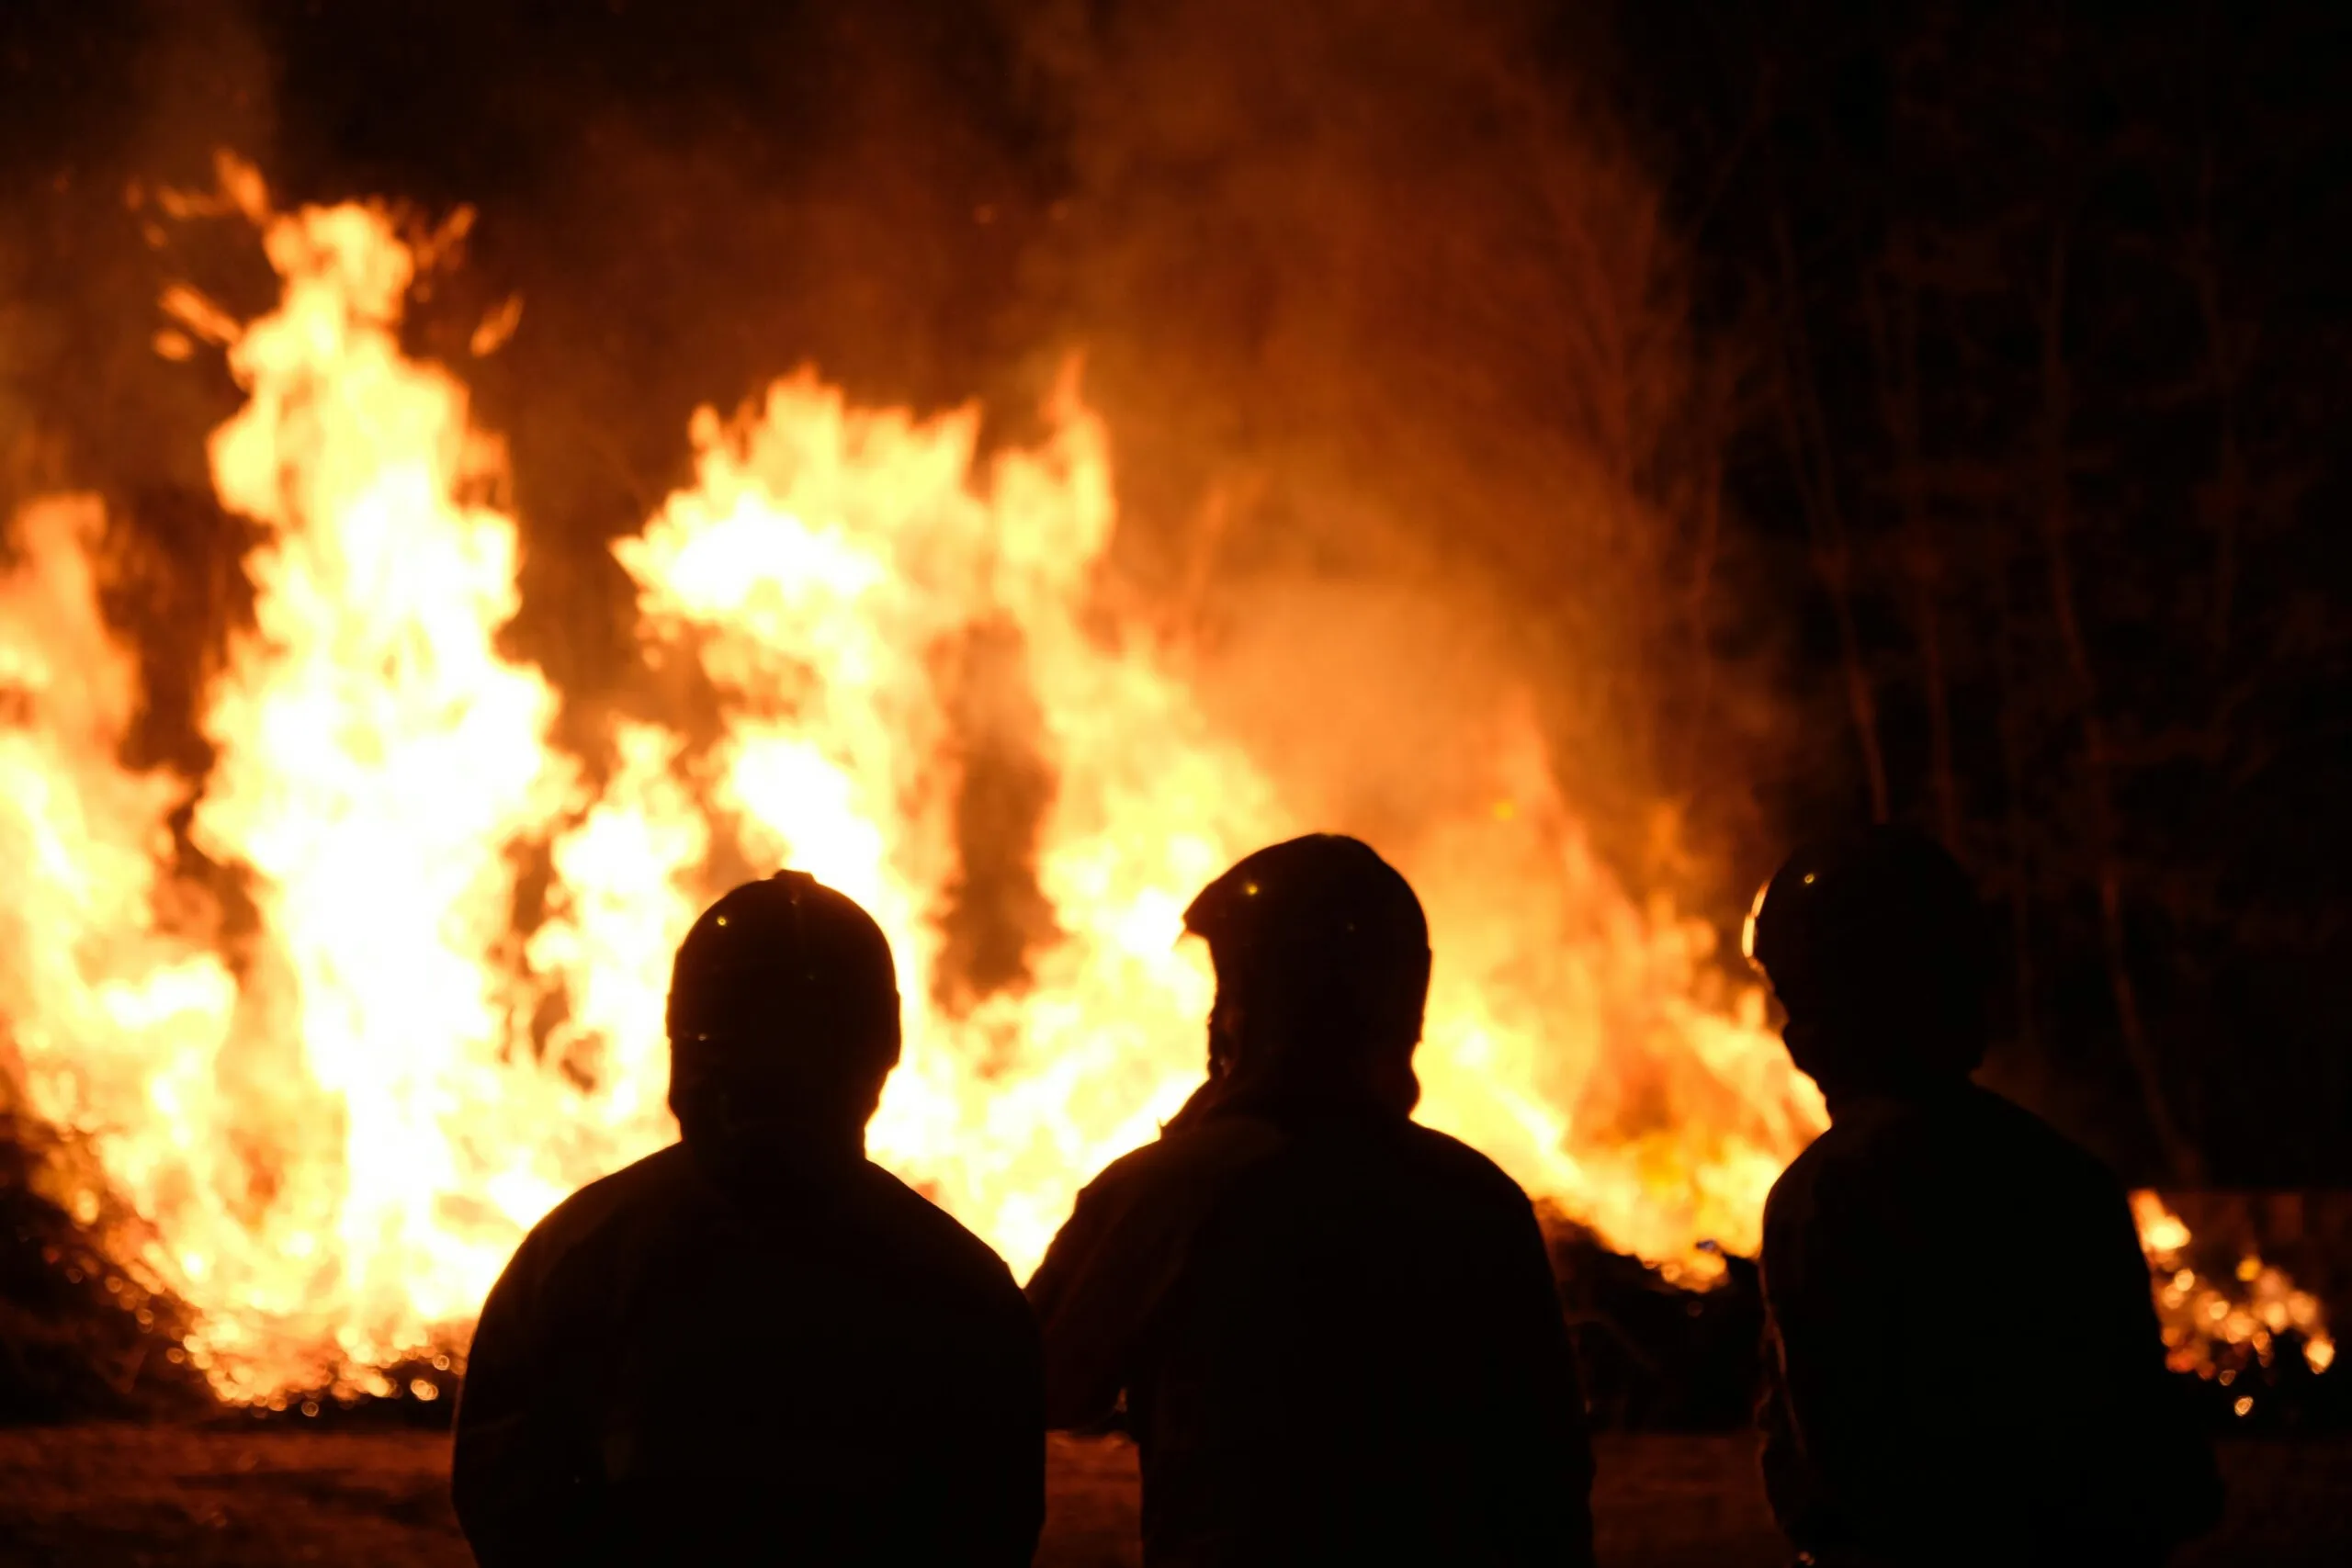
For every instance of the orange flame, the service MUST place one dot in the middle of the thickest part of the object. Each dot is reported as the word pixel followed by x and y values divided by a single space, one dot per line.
pixel 339 1116
pixel 2211 1327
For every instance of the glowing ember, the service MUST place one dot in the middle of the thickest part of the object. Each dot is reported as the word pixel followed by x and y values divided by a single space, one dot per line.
pixel 2213 1327
pixel 339 1116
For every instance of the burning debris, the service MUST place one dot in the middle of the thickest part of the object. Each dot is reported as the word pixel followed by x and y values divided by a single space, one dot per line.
pixel 81 1333
pixel 1659 1347
pixel 2239 1324
pixel 1662 1346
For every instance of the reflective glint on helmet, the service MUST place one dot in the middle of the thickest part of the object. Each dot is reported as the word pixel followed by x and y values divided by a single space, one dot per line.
pixel 1878 929
pixel 1323 953
pixel 783 979
pixel 1322 898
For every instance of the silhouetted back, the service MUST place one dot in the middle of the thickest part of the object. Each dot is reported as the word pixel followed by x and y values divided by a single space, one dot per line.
pixel 756 1346
pixel 1971 1369
pixel 1967 1365
pixel 684 1365
pixel 1338 1341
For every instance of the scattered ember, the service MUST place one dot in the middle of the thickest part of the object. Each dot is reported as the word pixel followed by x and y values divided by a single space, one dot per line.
pixel 2220 1327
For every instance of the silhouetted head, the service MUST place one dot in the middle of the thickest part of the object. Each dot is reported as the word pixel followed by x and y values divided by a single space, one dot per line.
pixel 1877 949
pixel 1322 959
pixel 782 1019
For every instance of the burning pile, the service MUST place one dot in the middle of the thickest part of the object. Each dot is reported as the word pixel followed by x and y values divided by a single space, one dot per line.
pixel 337 1022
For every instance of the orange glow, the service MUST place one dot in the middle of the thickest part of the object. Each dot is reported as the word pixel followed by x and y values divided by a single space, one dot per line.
pixel 333 1118
pixel 2207 1322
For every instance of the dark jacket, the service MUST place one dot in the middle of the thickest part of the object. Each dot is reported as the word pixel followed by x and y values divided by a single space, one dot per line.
pixel 770 1366
pixel 1967 1367
pixel 1338 1340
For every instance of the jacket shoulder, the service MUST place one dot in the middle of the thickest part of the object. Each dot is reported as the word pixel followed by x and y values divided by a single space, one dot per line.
pixel 1463 1168
pixel 2040 1141
pixel 657 1180
pixel 1828 1152
pixel 1884 1147
pixel 1187 1157
pixel 938 1238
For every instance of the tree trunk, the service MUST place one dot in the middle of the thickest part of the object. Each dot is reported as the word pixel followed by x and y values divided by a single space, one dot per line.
pixel 2057 522
pixel 2019 822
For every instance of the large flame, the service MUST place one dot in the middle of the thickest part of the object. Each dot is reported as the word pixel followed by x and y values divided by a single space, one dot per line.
pixel 337 1109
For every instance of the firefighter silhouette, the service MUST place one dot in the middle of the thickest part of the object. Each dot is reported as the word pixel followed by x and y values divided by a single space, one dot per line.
pixel 1334 1333
pixel 1909 1420
pixel 755 1346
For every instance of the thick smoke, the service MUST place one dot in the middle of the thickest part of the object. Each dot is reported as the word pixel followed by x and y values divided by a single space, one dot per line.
pixel 1380 306
pixel 1386 320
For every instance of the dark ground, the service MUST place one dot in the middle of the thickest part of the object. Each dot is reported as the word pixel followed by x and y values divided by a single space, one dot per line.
pixel 115 1495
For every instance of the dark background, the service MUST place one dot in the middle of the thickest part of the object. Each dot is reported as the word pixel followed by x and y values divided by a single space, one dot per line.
pixel 1925 411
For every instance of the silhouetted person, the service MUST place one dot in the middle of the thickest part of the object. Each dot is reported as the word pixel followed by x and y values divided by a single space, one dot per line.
pixel 754 1346
pixel 1336 1333
pixel 1966 1364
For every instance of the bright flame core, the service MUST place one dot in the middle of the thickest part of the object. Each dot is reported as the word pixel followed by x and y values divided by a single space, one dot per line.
pixel 337 1112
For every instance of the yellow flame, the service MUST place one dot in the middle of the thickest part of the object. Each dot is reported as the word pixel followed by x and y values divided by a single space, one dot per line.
pixel 2199 1315
pixel 338 1109
pixel 2162 1233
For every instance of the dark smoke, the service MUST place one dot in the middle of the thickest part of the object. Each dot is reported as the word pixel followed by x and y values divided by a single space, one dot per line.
pixel 1387 321
pixel 996 914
